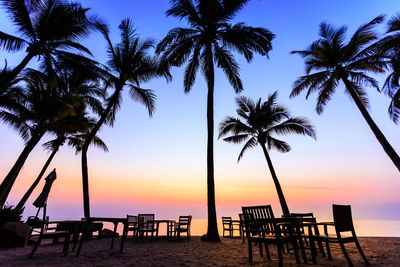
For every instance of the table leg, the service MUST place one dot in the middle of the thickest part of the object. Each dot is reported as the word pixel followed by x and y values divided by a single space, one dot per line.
pixel 84 232
pixel 114 233
pixel 124 234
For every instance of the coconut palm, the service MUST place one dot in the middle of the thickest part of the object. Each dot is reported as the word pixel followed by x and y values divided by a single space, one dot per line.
pixel 34 114
pixel 129 65
pixel 389 48
pixel 47 28
pixel 206 42
pixel 71 130
pixel 259 122
pixel 330 60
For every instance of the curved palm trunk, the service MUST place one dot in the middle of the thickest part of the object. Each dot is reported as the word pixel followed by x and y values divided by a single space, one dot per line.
pixel 85 147
pixel 9 180
pixel 282 200
pixel 375 129
pixel 212 229
pixel 28 193
pixel 13 73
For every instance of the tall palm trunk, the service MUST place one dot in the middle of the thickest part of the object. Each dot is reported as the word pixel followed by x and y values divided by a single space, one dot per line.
pixel 14 72
pixel 8 182
pixel 85 147
pixel 375 129
pixel 212 229
pixel 282 200
pixel 28 193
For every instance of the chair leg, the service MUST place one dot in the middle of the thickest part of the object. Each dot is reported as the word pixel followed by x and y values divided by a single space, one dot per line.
pixel 280 255
pixel 66 245
pixel 313 251
pixel 260 248
pixel 328 250
pixel 361 252
pixel 267 251
pixel 250 252
pixel 35 247
pixel 345 254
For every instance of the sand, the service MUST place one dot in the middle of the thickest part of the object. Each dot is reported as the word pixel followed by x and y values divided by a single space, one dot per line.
pixel 381 251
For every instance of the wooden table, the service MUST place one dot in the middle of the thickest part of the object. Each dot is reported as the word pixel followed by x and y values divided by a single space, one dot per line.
pixel 90 220
pixel 170 227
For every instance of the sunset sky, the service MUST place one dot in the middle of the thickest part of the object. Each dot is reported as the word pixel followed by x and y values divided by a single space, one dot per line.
pixel 159 164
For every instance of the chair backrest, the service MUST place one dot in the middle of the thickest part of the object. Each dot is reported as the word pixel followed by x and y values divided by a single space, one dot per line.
pixel 342 218
pixel 302 215
pixel 184 222
pixel 260 220
pixel 226 222
pixel 144 218
pixel 132 219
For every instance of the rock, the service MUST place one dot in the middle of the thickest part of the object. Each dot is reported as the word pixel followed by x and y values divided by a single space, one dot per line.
pixel 108 233
pixel 14 234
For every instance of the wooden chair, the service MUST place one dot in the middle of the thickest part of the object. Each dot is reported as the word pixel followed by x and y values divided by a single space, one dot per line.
pixel 261 228
pixel 227 226
pixel 146 225
pixel 47 232
pixel 183 226
pixel 342 222
pixel 132 225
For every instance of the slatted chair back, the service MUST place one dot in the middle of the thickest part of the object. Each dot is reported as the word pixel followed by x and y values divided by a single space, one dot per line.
pixel 132 220
pixel 342 218
pixel 226 223
pixel 146 220
pixel 260 220
pixel 184 222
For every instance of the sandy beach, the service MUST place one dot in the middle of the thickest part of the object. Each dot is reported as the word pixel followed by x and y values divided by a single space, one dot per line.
pixel 381 251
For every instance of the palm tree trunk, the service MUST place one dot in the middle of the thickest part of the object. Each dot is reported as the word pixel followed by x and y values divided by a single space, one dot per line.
pixel 28 193
pixel 9 180
pixel 375 129
pixel 282 199
pixel 212 229
pixel 85 147
pixel 14 72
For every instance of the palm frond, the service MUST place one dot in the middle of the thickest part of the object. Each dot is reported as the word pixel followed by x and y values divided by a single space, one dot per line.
pixel 227 63
pixel 249 144
pixel 11 43
pixel 143 96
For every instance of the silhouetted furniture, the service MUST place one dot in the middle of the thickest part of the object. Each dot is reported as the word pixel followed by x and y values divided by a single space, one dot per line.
pixel 132 225
pixel 343 222
pixel 261 228
pixel 35 223
pixel 146 225
pixel 91 222
pixel 242 228
pixel 183 226
pixel 170 227
pixel 227 226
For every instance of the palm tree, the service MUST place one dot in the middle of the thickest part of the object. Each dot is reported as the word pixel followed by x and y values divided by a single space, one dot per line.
pixel 262 120
pixel 389 48
pixel 207 41
pixel 334 60
pixel 72 130
pixel 34 114
pixel 47 28
pixel 130 65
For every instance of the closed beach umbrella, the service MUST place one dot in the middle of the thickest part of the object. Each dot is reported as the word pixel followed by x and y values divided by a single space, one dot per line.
pixel 41 200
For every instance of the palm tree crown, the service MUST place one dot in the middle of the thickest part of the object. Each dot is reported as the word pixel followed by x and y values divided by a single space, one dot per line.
pixel 47 28
pixel 330 60
pixel 261 121
pixel 209 39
